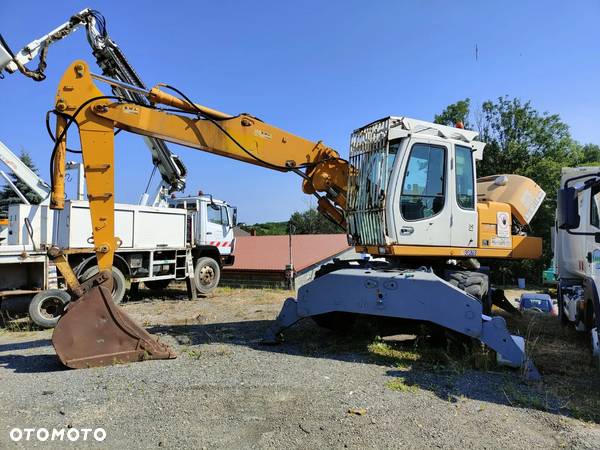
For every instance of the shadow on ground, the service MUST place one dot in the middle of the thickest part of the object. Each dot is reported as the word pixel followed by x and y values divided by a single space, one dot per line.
pixel 450 374
pixel 570 386
pixel 33 363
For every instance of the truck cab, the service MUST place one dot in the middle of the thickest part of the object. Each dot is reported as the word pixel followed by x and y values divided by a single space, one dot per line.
pixel 210 223
pixel 577 250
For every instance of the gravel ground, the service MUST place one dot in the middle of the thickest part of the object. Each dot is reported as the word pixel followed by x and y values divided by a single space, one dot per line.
pixel 226 390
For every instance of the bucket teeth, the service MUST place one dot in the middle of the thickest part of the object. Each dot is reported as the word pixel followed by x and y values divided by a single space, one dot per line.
pixel 95 332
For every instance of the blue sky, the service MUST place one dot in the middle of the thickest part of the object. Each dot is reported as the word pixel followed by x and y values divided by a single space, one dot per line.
pixel 318 69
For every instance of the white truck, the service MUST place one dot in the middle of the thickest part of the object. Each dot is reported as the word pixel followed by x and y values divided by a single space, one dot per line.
pixel 189 238
pixel 577 251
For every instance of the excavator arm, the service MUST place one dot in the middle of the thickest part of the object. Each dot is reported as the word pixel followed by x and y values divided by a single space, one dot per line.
pixel 115 337
pixel 242 137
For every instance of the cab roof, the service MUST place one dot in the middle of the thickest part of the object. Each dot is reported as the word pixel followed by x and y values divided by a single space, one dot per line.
pixel 401 126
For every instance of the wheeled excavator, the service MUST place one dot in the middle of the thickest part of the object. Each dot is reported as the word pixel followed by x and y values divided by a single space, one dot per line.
pixel 408 196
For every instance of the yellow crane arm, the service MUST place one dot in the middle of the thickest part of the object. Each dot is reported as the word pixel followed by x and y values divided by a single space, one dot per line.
pixel 242 137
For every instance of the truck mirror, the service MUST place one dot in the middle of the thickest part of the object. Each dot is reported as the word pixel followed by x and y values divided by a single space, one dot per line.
pixel 568 209
pixel 234 217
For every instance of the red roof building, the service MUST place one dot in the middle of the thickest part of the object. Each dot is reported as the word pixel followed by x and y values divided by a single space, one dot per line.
pixel 261 261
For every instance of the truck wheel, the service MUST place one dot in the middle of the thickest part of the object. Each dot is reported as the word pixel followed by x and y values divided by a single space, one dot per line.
pixel 595 344
pixel 206 275
pixel 46 307
pixel 564 320
pixel 157 285
pixel 119 283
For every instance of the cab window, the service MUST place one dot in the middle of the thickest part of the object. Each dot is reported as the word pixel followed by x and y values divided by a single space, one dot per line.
pixel 214 214
pixel 423 193
pixel 594 218
pixel 217 214
pixel 392 153
pixel 465 192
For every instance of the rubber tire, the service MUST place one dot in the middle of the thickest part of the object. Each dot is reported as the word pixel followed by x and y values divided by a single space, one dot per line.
pixel 562 317
pixel 157 285
pixel 119 282
pixel 202 287
pixel 35 307
pixel 474 283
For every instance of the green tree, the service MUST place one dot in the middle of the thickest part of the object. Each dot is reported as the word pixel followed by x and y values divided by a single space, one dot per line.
pixel 311 222
pixel 266 228
pixel 306 222
pixel 454 113
pixel 8 196
pixel 520 140
pixel 591 155
pixel 523 141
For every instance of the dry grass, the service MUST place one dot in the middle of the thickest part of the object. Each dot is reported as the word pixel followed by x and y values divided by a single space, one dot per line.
pixel 16 324
pixel 207 351
pixel 565 361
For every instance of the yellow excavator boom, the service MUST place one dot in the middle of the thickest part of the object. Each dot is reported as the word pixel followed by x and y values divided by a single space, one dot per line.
pixel 242 137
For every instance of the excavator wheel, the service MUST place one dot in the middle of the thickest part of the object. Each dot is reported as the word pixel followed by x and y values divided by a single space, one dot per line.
pixel 95 332
pixel 474 283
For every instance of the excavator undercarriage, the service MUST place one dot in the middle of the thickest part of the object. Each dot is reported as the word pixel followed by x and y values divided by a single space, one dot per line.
pixel 417 295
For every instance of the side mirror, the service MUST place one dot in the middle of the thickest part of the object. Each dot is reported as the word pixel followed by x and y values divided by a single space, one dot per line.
pixel 568 209
pixel 234 217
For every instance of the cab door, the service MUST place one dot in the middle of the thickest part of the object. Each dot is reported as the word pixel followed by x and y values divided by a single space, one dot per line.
pixel 421 207
pixel 464 198
pixel 217 226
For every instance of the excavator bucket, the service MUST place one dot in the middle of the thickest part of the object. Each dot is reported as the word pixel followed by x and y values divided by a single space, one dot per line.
pixel 95 332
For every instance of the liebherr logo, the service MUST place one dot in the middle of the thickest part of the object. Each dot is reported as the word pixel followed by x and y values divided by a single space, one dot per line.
pixel 57 434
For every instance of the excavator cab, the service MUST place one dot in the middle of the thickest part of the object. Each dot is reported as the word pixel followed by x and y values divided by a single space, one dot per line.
pixel 415 193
